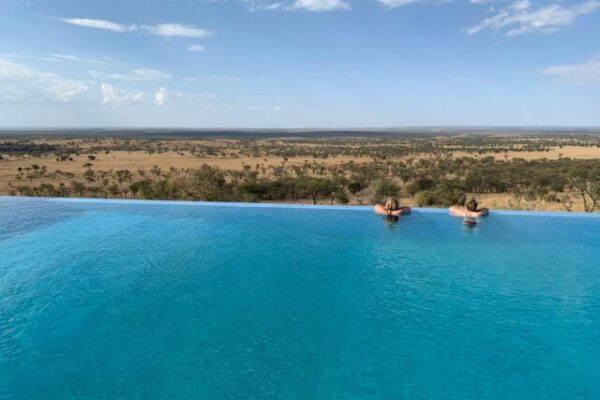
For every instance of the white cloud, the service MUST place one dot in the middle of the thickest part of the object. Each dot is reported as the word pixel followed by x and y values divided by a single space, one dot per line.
pixel 164 30
pixel 173 30
pixel 135 75
pixel 259 108
pixel 321 5
pixel 161 97
pixel 75 59
pixel 21 83
pixel 65 57
pixel 519 18
pixel 116 96
pixel 66 89
pixel 521 5
pixel 397 3
pixel 150 74
pixel 587 73
pixel 195 48
pixel 96 24
pixel 269 7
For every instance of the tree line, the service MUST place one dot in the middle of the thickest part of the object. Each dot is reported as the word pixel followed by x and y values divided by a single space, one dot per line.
pixel 437 181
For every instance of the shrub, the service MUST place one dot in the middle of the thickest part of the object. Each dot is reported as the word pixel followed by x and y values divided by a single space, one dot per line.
pixel 444 195
pixel 384 188
pixel 419 185
pixel 206 183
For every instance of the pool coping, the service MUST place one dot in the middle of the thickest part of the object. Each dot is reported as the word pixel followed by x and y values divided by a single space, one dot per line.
pixel 287 205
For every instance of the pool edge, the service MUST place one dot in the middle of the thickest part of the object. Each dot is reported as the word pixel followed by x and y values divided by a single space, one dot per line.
pixel 425 210
pixel 287 205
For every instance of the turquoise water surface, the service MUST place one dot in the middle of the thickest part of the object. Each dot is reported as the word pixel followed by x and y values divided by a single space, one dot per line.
pixel 150 300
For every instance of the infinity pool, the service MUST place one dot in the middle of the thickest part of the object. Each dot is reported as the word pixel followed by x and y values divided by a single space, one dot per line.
pixel 152 300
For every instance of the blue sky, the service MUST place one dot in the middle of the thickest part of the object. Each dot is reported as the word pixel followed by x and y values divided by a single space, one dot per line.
pixel 299 63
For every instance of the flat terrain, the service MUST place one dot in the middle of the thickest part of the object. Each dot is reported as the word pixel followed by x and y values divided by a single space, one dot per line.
pixel 554 153
pixel 105 161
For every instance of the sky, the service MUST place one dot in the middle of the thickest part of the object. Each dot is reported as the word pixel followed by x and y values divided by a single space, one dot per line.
pixel 299 63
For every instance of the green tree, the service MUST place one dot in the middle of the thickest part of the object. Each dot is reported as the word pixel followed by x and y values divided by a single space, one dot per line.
pixel 384 188
pixel 206 183
pixel 315 188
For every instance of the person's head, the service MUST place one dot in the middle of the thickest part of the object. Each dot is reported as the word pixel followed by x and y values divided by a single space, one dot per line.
pixel 391 204
pixel 471 205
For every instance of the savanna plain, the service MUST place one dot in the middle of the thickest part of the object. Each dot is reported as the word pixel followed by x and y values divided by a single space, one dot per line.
pixel 524 171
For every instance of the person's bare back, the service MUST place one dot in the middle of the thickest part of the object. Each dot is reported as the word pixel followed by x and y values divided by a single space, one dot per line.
pixel 391 208
pixel 468 209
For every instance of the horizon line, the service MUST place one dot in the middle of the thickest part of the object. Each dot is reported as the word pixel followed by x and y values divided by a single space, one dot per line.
pixel 306 128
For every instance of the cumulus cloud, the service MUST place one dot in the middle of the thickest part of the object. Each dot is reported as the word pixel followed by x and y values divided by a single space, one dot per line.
pixel 21 83
pixel 164 30
pixel 587 73
pixel 161 97
pixel 116 96
pixel 519 18
pixel 135 75
pixel 321 5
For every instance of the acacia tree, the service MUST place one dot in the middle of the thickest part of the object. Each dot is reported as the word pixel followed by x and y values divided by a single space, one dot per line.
pixel 316 188
pixel 385 188
pixel 206 183
pixel 588 191
pixel 365 195
pixel 122 175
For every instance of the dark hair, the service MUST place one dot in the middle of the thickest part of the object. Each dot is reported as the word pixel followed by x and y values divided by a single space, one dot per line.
pixel 391 218
pixel 470 222
pixel 471 204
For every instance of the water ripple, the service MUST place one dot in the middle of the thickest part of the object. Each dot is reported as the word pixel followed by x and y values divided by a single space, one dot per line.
pixel 156 301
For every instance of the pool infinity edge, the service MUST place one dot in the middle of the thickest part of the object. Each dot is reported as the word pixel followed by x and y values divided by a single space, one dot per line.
pixel 285 205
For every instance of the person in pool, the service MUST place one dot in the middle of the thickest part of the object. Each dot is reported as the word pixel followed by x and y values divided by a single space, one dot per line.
pixel 468 208
pixel 391 209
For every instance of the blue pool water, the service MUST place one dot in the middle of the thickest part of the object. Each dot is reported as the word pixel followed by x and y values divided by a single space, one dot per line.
pixel 143 300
